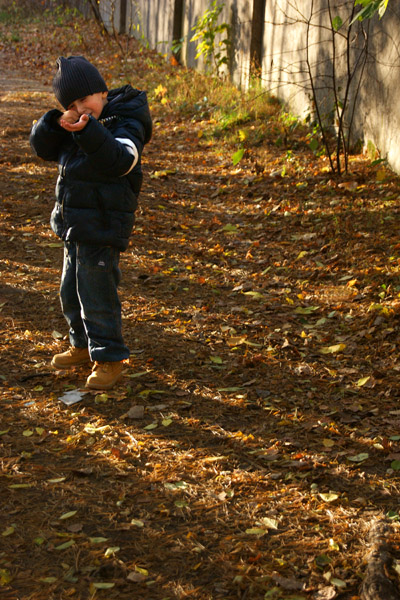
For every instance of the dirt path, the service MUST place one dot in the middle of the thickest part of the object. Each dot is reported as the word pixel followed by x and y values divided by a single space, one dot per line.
pixel 10 81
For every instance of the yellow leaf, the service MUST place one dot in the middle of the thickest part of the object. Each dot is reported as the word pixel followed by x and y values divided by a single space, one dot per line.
pixel 333 349
pixel 351 283
pixel 161 174
pixel 363 381
pixel 19 486
pixel 101 398
pixel 67 515
pixel 5 577
pixel 236 340
pixel 333 545
pixel 329 497
pixel 160 90
pixel 137 522
pixel 111 551
pixel 256 531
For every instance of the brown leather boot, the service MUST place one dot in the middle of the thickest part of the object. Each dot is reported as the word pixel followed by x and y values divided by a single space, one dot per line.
pixel 104 375
pixel 73 357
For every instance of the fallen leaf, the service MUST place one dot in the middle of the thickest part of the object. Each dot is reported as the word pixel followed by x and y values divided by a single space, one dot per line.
pixel 256 531
pixel 269 523
pixel 329 497
pixel 65 545
pixel 136 577
pixel 102 585
pixel 17 486
pixel 75 527
pixel 135 412
pixel 5 577
pixel 48 579
pixel 328 443
pixel 137 522
pixel 112 550
pixel 216 360
pixel 67 515
pixel 362 381
pixel 101 398
pixel 236 340
pixel 333 349
pixel 339 583
pixel 359 457
pixel 326 593
pixel 288 583
pixel 162 174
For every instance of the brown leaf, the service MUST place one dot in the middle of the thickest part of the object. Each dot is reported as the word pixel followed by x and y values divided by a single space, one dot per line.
pixel 288 584
pixel 75 527
pixel 135 412
pixel 136 577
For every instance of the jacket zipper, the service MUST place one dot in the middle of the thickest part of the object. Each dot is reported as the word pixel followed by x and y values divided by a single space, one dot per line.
pixel 63 169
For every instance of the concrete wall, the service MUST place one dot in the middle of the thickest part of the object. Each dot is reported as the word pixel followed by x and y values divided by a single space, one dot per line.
pixel 237 13
pixel 153 21
pixel 290 27
pixel 380 108
pixel 372 93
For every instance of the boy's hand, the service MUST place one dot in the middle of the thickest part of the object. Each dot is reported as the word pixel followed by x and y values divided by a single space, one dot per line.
pixel 71 121
pixel 70 116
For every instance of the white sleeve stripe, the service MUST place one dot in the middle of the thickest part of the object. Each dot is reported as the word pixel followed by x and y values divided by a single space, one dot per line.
pixel 130 146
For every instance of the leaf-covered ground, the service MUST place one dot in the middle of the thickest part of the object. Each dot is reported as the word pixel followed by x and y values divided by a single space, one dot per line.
pixel 255 435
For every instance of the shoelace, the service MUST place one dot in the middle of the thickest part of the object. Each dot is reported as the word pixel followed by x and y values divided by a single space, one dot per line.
pixel 103 366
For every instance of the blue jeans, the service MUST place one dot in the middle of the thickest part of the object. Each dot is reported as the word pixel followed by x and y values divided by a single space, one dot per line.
pixel 89 300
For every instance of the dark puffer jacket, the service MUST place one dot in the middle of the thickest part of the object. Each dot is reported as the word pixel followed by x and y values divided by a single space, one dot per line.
pixel 96 192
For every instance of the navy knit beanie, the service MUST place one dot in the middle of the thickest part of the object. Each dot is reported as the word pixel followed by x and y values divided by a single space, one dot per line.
pixel 76 78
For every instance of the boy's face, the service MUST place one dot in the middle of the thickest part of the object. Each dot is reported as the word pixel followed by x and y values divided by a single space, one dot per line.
pixel 90 105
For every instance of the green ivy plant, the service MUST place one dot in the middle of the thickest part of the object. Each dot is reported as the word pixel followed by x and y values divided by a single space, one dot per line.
pixel 213 38
pixel 370 7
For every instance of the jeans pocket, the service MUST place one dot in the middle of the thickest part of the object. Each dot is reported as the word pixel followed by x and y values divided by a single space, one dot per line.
pixel 97 258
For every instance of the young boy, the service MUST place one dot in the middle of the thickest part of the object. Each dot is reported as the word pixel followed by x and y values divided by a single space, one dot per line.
pixel 97 142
